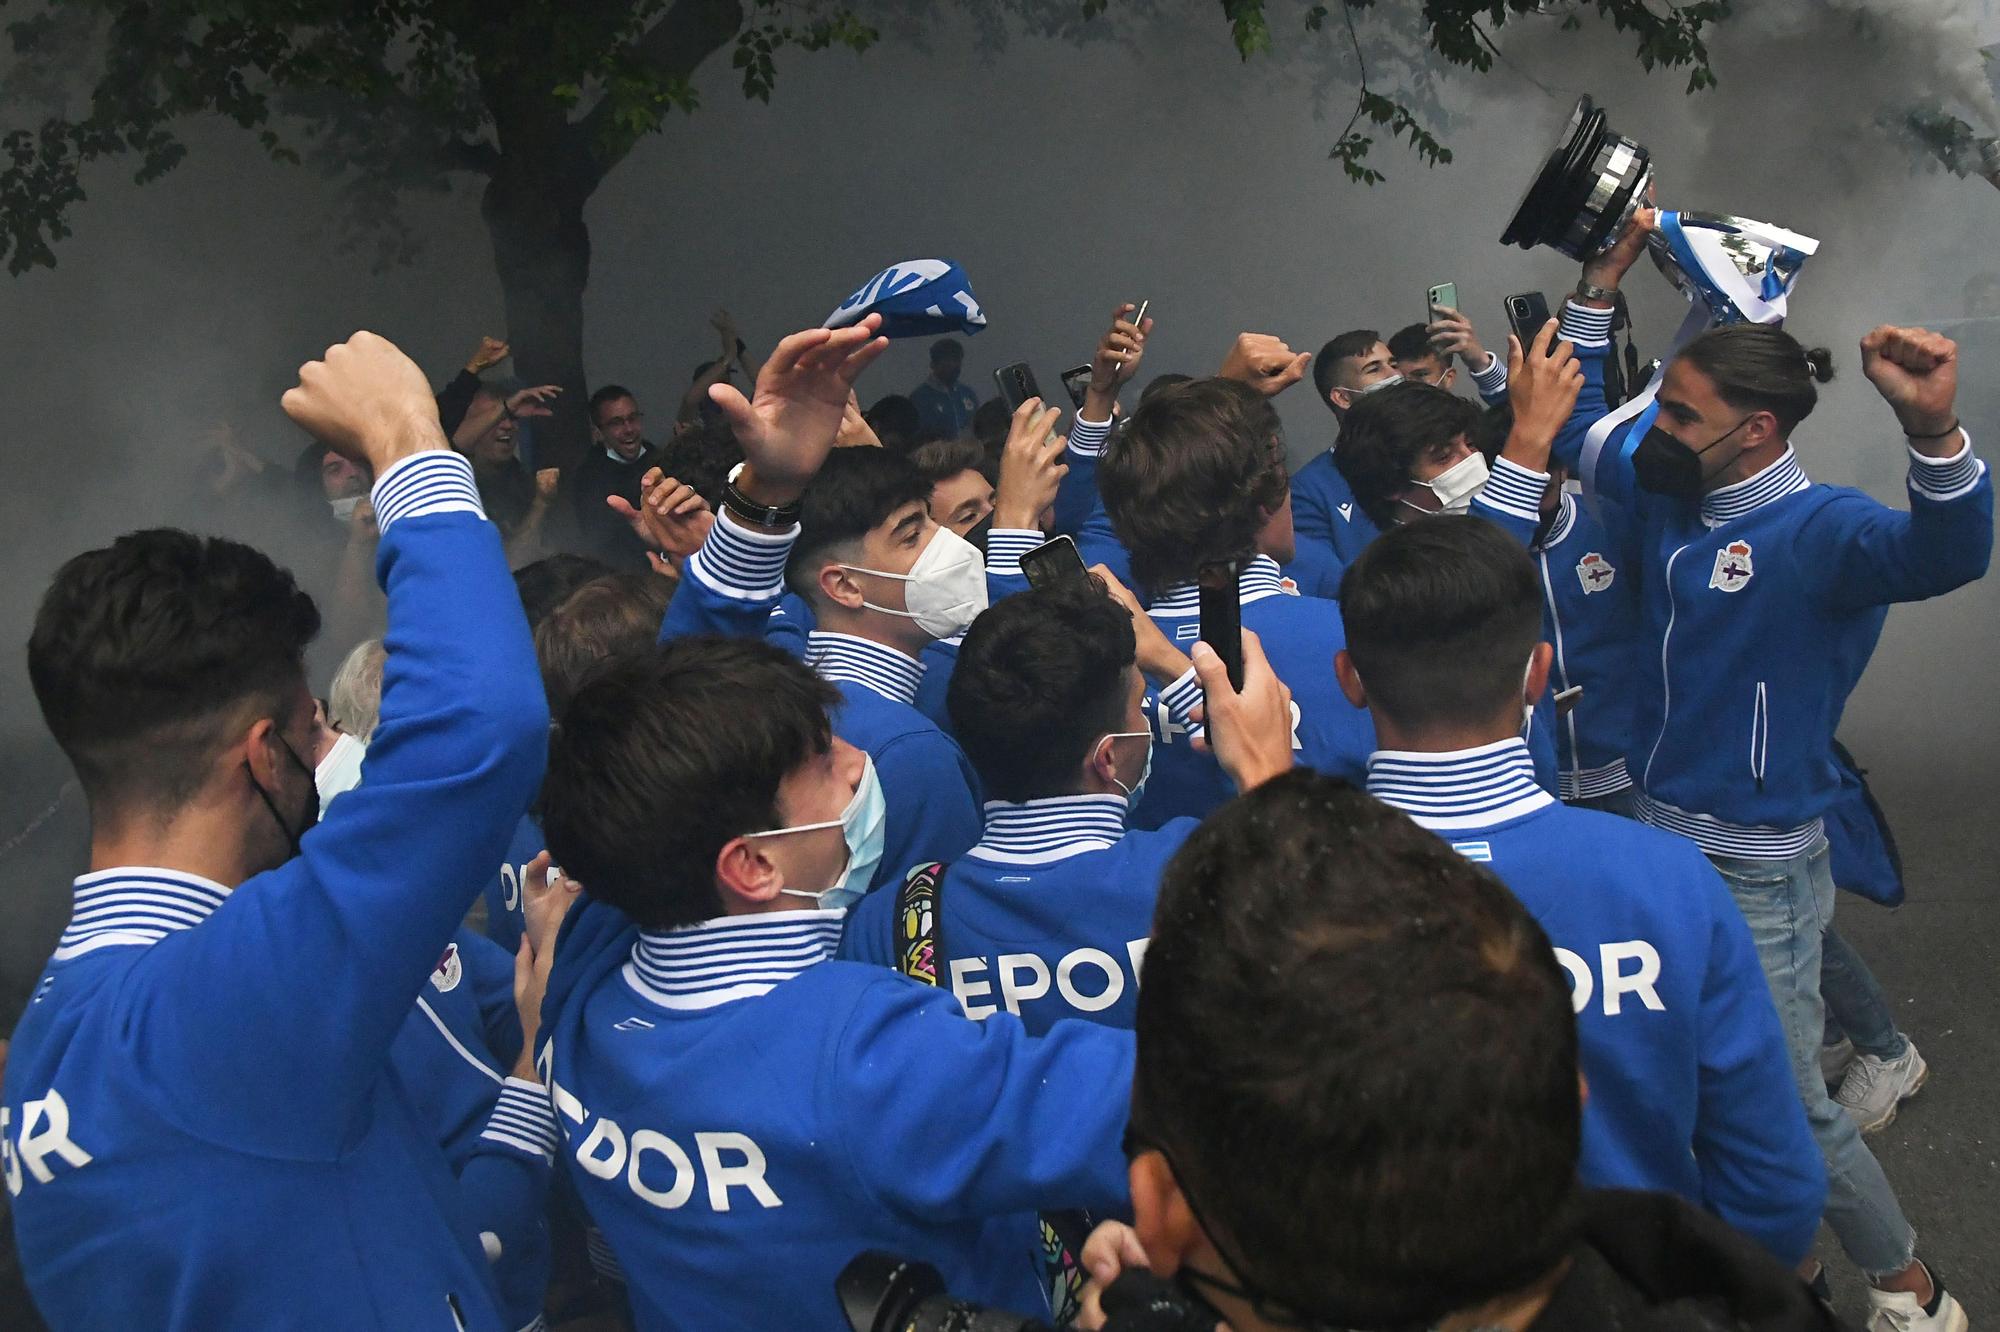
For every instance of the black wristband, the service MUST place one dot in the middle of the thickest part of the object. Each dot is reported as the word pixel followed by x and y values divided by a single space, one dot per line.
pixel 1942 434
pixel 772 516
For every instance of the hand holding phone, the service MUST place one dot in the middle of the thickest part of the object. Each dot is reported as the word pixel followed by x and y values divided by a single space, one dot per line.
pixel 1526 313
pixel 1052 563
pixel 1016 383
pixel 1444 296
pixel 1076 380
pixel 1222 616
pixel 1249 730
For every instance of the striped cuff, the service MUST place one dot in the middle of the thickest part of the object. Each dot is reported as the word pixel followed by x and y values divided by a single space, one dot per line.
pixel 1004 548
pixel 1180 698
pixel 1515 491
pixel 1492 381
pixel 524 1119
pixel 1585 325
pixel 742 565
pixel 434 481
pixel 1086 438
pixel 1946 478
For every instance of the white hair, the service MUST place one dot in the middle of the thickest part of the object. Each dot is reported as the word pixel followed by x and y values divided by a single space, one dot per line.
pixel 354 699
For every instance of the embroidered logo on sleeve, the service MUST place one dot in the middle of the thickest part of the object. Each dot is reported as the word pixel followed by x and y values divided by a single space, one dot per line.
pixel 1595 573
pixel 450 969
pixel 1346 513
pixel 1732 567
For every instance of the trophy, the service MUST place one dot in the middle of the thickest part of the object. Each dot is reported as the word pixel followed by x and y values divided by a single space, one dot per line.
pixel 1738 270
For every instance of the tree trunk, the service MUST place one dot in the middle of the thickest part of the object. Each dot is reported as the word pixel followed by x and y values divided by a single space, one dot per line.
pixel 541 251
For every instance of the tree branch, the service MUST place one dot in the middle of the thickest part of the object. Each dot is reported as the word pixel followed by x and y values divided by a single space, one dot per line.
pixel 672 49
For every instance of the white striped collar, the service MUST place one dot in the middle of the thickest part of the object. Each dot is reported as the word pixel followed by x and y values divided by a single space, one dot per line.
pixel 135 904
pixel 731 957
pixel 1783 477
pixel 1040 832
pixel 1261 578
pixel 864 662
pixel 1465 788
pixel 1565 519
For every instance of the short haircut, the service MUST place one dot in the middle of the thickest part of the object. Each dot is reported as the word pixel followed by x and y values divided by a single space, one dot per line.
pixel 947 349
pixel 854 493
pixel 547 582
pixel 354 698
pixel 609 393
pixel 606 617
pixel 896 422
pixel 1413 344
pixel 991 424
pixel 663 757
pixel 701 457
pixel 1326 365
pixel 1040 678
pixel 1386 432
pixel 943 459
pixel 148 656
pixel 1192 479
pixel 1441 617
pixel 1357 1049
pixel 1761 368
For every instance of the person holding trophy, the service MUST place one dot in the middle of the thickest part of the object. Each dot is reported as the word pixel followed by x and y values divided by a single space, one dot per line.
pixel 1764 592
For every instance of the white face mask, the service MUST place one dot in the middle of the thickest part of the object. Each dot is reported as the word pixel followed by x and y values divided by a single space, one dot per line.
pixel 1459 484
pixel 944 589
pixel 340 770
pixel 1136 790
pixel 863 824
pixel 1376 387
pixel 343 509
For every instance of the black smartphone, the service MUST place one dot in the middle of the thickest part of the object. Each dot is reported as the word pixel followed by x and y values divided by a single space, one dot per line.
pixel 1526 313
pixel 1077 380
pixel 1222 616
pixel 1055 561
pixel 1016 383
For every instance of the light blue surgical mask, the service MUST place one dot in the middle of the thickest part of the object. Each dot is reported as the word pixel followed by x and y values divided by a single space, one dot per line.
pixel 862 824
pixel 1136 790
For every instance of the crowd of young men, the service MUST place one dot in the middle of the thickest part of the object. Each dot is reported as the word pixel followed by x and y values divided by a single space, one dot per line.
pixel 845 890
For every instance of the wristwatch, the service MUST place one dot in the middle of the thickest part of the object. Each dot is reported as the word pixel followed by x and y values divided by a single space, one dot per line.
pixel 772 516
pixel 1587 290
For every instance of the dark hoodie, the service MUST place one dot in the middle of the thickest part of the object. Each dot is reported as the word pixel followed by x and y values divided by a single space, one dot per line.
pixel 1649 1262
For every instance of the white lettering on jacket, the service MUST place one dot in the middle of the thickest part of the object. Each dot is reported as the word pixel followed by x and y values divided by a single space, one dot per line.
pixel 1089 980
pixel 658 1170
pixel 1629 968
pixel 44 1133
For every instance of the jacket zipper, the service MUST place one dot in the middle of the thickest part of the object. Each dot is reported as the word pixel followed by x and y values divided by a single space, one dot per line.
pixel 1760 735
pixel 1666 682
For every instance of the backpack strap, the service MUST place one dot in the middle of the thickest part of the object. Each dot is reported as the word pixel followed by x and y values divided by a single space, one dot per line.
pixel 918 922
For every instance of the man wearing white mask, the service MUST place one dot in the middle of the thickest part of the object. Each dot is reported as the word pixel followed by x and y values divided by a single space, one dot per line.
pixel 1047 917
pixel 854 538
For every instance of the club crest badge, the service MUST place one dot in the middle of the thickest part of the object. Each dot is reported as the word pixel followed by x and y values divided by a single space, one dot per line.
pixel 1595 573
pixel 1733 567
pixel 450 970
pixel 1346 513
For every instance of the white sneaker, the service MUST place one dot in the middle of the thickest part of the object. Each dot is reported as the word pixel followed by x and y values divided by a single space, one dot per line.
pixel 1835 1060
pixel 1874 1087
pixel 1896 1311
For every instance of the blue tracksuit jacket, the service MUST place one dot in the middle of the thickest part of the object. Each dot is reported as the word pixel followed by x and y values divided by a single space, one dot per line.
pixel 1690 1087
pixel 1046 918
pixel 728 1092
pixel 202 1125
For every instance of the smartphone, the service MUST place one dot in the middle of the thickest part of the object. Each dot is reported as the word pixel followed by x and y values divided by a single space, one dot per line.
pixel 1222 616
pixel 1055 561
pixel 1016 383
pixel 1444 296
pixel 1077 380
pixel 1526 313
pixel 1139 319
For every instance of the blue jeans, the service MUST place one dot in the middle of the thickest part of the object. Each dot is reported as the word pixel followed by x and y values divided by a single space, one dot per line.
pixel 1789 906
pixel 1855 1005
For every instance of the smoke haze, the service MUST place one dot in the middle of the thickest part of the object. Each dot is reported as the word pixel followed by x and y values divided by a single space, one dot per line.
pixel 1065 179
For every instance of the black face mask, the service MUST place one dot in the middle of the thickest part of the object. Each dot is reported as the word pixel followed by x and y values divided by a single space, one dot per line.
pixel 1665 466
pixel 978 532
pixel 308 817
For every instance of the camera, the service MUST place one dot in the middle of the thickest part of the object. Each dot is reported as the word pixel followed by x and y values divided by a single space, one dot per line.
pixel 880 1292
